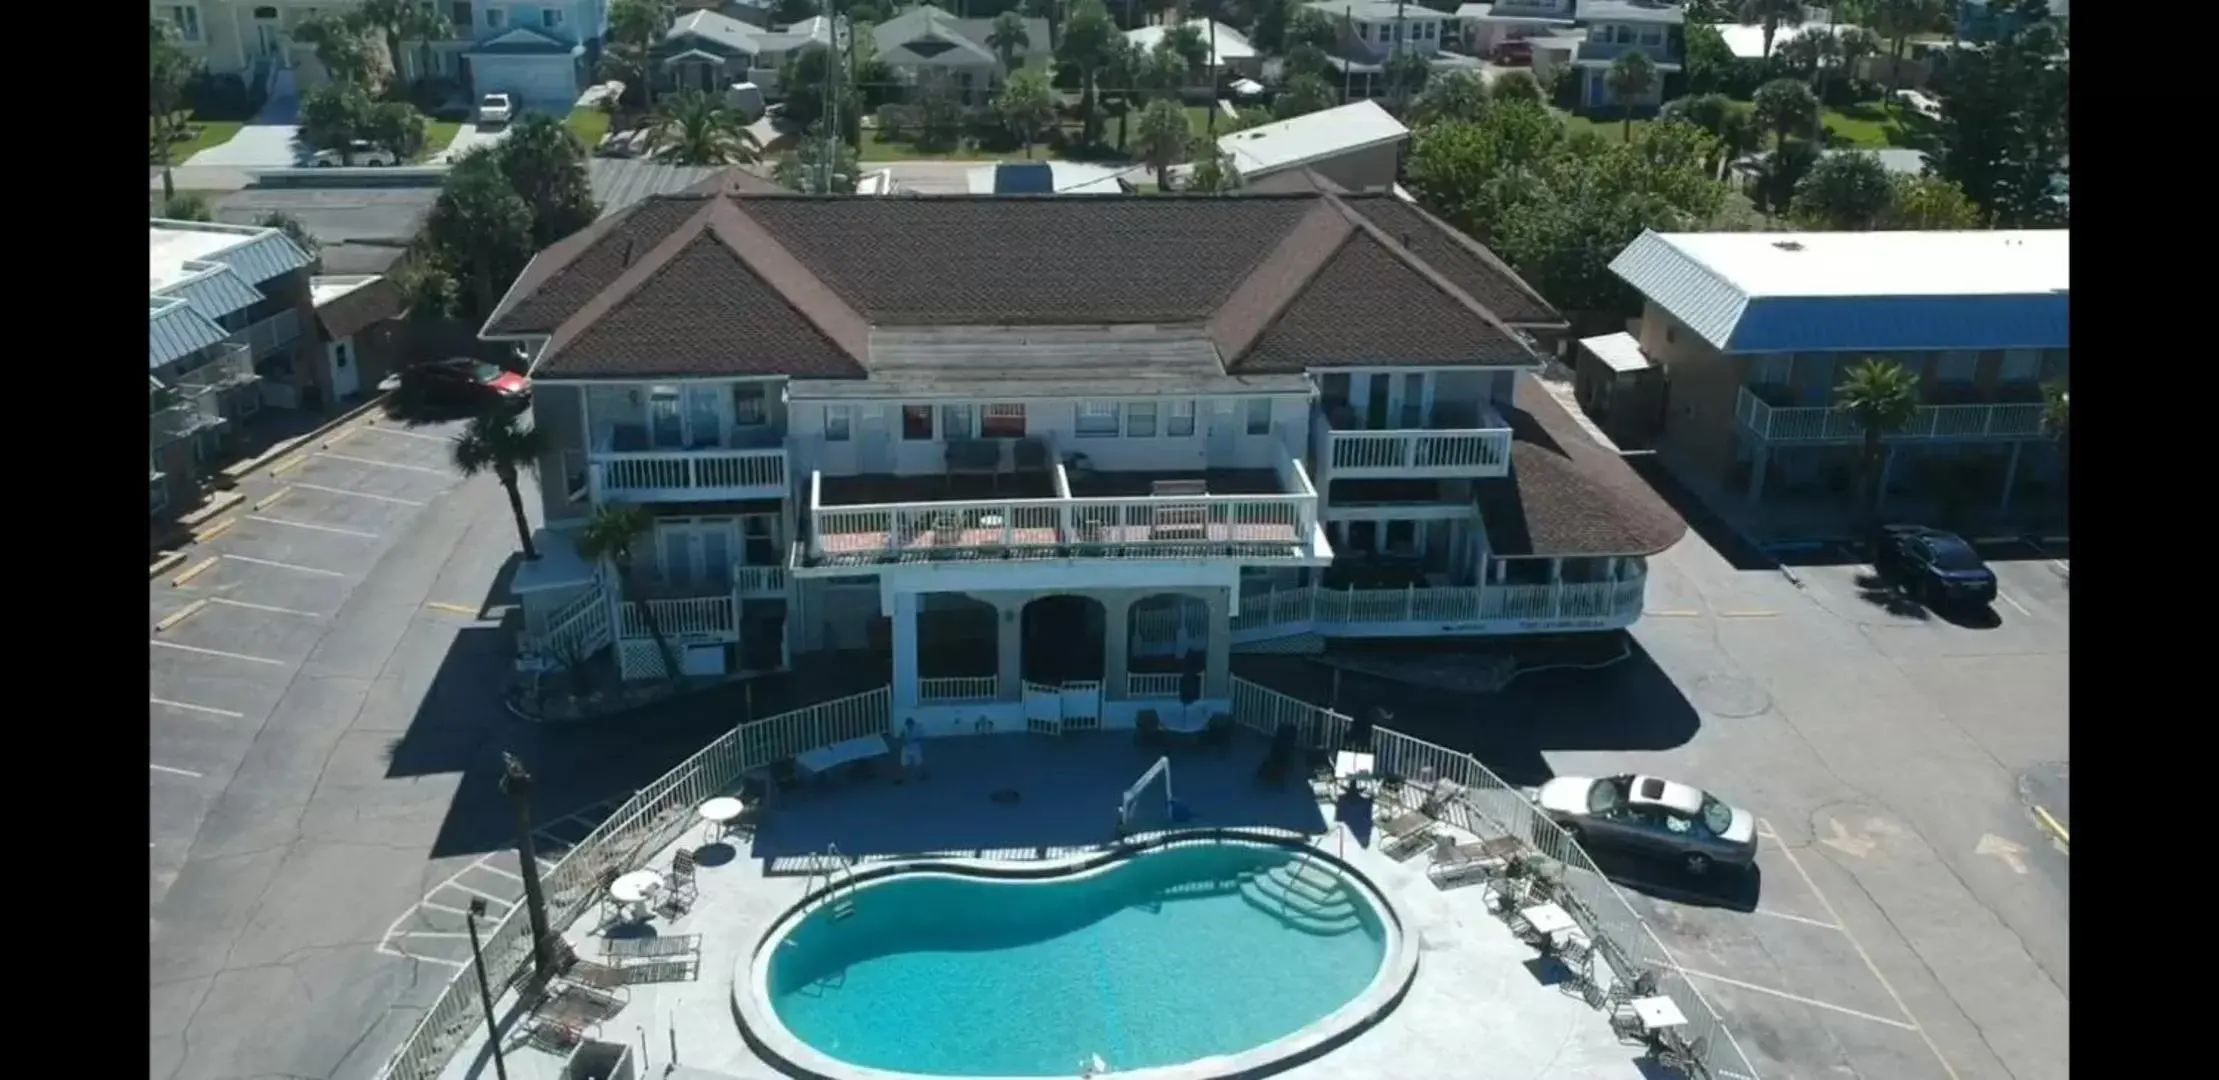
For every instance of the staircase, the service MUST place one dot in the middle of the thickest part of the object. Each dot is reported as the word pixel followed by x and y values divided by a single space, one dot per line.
pixel 1305 895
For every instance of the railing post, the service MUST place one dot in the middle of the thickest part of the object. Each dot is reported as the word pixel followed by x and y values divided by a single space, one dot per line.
pixel 1409 602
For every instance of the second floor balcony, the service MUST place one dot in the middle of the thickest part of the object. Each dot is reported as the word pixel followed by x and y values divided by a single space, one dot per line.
pixel 175 421
pixel 233 367
pixel 268 335
pixel 1772 423
pixel 627 464
pixel 1452 446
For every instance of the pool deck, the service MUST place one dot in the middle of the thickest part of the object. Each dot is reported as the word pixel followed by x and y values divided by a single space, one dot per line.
pixel 1479 996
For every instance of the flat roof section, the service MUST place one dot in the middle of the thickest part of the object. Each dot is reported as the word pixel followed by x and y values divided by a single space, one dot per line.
pixel 1997 262
pixel 170 246
pixel 1304 139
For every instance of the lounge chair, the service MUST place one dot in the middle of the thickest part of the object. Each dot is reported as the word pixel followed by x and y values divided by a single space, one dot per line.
pixel 595 980
pixel 1460 864
pixel 651 948
pixel 1407 833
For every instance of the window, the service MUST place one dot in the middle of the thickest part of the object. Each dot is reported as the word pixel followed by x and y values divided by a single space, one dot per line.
pixel 550 18
pixel 839 423
pixel 460 15
pixel 1259 416
pixel 1651 35
pixel 1957 366
pixel 1179 421
pixel 958 422
pixel 916 423
pixel 1097 420
pixel 186 17
pixel 2021 365
pixel 494 17
pixel 1140 420
pixel 1003 422
pixel 748 405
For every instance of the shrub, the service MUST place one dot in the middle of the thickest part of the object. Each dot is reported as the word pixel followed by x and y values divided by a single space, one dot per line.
pixel 221 97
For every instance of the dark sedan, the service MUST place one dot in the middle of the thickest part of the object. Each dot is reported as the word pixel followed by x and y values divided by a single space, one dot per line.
pixel 1939 568
pixel 466 383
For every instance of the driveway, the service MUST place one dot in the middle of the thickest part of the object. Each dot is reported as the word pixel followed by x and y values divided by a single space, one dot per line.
pixel 468 138
pixel 256 146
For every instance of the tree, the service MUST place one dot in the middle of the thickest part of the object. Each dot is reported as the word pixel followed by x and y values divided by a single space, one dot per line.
pixel 502 443
pixel 345 46
pixel 1458 95
pixel 1714 114
pixel 1008 39
pixel 811 169
pixel 1407 76
pixel 1883 397
pixel 1848 191
pixel 1786 107
pixel 1310 37
pixel 1305 94
pixel 1270 31
pixel 1163 72
pixel 333 116
pixel 188 206
pixel 382 21
pixel 1027 106
pixel 1930 203
pixel 1049 11
pixel 1517 86
pixel 2006 129
pixel 803 77
pixel 1781 170
pixel 614 533
pixel 1122 65
pixel 293 229
pixel 423 24
pixel 546 166
pixel 693 128
pixel 481 228
pixel 1856 43
pixel 1631 76
pixel 639 22
pixel 1897 20
pixel 1214 170
pixel 397 126
pixel 940 114
pixel 790 12
pixel 1164 135
pixel 1186 40
pixel 1087 34
pixel 169 73
pixel 1772 15
pixel 1709 63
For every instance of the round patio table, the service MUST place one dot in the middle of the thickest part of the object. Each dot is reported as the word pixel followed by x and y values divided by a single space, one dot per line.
pixel 720 813
pixel 634 890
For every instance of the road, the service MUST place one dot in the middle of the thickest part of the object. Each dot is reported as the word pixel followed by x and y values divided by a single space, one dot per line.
pixel 325 731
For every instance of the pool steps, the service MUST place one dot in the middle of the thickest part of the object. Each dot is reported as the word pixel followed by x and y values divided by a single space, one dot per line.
pixel 1304 895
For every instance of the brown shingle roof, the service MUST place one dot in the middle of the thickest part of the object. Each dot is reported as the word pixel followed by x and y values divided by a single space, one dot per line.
pixel 1473 268
pixel 356 309
pixel 1566 493
pixel 566 277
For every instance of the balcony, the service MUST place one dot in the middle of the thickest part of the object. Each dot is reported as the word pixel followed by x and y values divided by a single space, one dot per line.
pixel 1826 424
pixel 232 368
pixel 1255 515
pixel 271 334
pixel 1425 612
pixel 180 421
pixel 1450 451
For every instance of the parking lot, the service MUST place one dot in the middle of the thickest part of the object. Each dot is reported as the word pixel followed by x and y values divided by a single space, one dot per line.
pixel 229 629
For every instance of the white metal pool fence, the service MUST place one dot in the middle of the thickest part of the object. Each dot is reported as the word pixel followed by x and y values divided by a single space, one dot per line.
pixel 660 812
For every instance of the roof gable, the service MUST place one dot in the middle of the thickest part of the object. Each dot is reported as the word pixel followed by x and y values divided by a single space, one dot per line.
pixel 1459 258
pixel 1335 319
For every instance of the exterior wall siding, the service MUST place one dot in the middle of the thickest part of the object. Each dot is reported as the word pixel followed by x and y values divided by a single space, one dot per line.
pixel 1363 170
pixel 1698 434
pixel 556 413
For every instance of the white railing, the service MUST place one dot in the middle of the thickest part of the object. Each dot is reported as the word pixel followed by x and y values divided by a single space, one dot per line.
pixel 646 822
pixel 695 616
pixel 1170 624
pixel 580 627
pixel 1449 604
pixel 690 473
pixel 182 420
pixel 1093 526
pixel 762 581
pixel 271 334
pixel 1478 452
pixel 233 367
pixel 1824 423
pixel 959 689
pixel 1151 686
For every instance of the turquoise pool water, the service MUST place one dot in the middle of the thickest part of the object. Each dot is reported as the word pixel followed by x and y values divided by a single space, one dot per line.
pixel 1175 955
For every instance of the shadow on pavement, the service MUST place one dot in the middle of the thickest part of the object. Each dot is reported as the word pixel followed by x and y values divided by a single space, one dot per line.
pixel 1668 879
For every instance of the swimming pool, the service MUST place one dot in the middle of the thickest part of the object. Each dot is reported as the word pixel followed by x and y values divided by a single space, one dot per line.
pixel 1227 953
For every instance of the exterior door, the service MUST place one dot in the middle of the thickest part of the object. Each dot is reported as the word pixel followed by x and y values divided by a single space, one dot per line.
pixel 1378 402
pixel 873 454
pixel 1227 420
pixel 346 372
pixel 695 554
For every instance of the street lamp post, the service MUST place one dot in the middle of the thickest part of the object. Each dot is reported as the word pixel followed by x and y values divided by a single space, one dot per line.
pixel 485 987
pixel 516 783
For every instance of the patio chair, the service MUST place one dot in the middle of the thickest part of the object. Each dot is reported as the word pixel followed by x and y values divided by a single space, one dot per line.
pixel 551 1035
pixel 611 908
pixel 1689 1059
pixel 586 975
pixel 1408 832
pixel 651 948
pixel 1460 864
pixel 1030 456
pixel 684 969
pixel 1623 992
pixel 680 887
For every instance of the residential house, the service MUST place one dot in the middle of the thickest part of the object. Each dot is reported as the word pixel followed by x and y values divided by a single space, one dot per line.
pixel 1476 29
pixel 1981 21
pixel 528 47
pixel 1371 32
pixel 927 42
pixel 542 53
pixel 1751 334
pixel 1357 146
pixel 1047 490
pixel 227 310
pixel 1614 28
pixel 710 52
pixel 1234 56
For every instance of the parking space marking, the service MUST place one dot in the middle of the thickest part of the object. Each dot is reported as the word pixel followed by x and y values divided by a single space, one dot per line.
pixel 1797 998
pixel 214 531
pixel 1820 923
pixel 356 494
pixel 383 430
pixel 436 906
pixel 1748 614
pixel 260 607
pixel 492 869
pixel 341 437
pixel 217 653
pixel 386 464
pixel 173 772
pixel 180 615
pixel 193 571
pixel 294 462
pixel 480 892
pixel 2054 826
pixel 1671 614
pixel 358 533
pixel 459 609
pixel 285 566
pixel 1827 903
pixel 2015 605
pixel 273 498
pixel 226 713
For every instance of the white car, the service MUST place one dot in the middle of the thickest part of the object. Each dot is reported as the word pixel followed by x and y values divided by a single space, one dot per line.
pixel 495 109
pixel 1920 104
pixel 361 153
pixel 1652 815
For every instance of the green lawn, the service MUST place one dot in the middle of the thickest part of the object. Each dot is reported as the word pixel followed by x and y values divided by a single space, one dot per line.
pixel 1862 126
pixel 877 148
pixel 206 133
pixel 438 135
pixel 589 125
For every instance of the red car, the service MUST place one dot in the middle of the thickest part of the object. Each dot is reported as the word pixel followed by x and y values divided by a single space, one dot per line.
pixel 466 382
pixel 1514 54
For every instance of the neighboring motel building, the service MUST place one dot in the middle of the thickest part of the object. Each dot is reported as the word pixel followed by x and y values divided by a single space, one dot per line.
pixel 1050 453
pixel 1751 333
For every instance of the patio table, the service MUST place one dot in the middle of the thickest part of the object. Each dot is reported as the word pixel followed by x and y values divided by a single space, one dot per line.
pixel 1657 1013
pixel 635 889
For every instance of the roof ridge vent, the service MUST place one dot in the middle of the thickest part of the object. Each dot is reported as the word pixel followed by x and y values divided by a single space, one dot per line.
pixel 1788 245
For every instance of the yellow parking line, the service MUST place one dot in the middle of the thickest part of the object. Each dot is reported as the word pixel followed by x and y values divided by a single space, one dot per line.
pixel 1672 614
pixel 2054 826
pixel 193 571
pixel 216 530
pixel 180 615
pixel 1748 614
pixel 293 462
pixel 459 609
pixel 342 436
pixel 272 500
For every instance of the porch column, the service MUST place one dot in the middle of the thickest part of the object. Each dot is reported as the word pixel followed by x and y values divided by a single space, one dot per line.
pixel 1217 668
pixel 2010 477
pixel 1009 649
pixel 904 618
pixel 1756 474
pixel 1116 641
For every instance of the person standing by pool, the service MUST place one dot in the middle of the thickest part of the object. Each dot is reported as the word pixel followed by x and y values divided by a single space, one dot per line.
pixel 912 750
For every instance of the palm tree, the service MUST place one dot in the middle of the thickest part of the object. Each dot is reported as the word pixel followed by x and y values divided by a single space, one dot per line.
pixel 169 72
pixel 1785 106
pixel 1027 106
pixel 1773 14
pixel 635 26
pixel 1008 38
pixel 1897 20
pixel 1164 136
pixel 614 532
pixel 1883 396
pixel 2057 399
pixel 694 128
pixel 424 24
pixel 1630 77
pixel 497 441
pixel 1087 34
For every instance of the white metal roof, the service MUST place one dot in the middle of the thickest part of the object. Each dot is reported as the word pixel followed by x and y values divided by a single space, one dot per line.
pixel 1304 139
pixel 1619 352
pixel 1231 43
pixel 198 272
pixel 175 330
